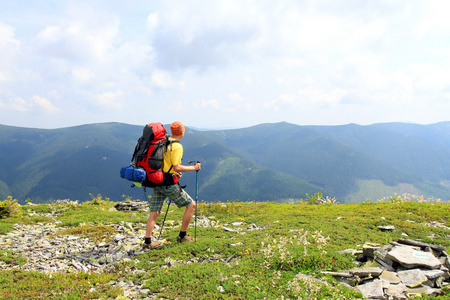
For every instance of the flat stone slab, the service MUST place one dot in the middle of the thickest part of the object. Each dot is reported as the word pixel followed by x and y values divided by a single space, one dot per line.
pixel 416 292
pixel 338 274
pixel 411 258
pixel 372 290
pixel 366 272
pixel 412 278
pixel 433 274
pixel 370 248
pixel 421 244
pixel 390 276
pixel 394 290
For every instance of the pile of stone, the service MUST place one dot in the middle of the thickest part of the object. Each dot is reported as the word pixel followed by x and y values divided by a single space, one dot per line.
pixel 400 270
pixel 132 205
pixel 46 251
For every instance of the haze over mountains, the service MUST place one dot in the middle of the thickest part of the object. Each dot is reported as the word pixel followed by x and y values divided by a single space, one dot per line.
pixel 268 162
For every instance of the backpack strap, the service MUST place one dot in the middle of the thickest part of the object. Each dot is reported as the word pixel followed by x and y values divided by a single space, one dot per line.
pixel 170 144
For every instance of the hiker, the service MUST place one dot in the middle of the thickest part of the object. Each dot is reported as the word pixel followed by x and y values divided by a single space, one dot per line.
pixel 172 164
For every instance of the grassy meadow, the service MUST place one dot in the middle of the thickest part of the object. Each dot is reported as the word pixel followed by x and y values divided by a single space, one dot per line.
pixel 276 251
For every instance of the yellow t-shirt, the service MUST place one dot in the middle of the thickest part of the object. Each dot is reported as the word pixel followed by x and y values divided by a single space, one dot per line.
pixel 172 158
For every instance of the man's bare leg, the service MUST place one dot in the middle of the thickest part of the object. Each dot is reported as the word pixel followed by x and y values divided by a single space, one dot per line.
pixel 151 221
pixel 187 216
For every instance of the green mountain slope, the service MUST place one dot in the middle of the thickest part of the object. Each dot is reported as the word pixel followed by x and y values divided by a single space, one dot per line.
pixel 438 133
pixel 311 156
pixel 428 163
pixel 72 163
pixel 272 162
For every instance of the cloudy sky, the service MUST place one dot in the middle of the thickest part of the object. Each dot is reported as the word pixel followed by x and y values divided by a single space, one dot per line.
pixel 223 64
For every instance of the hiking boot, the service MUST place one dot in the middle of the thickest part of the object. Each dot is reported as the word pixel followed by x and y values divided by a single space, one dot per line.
pixel 152 245
pixel 187 238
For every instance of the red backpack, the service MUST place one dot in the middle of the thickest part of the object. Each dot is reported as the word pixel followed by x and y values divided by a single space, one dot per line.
pixel 149 155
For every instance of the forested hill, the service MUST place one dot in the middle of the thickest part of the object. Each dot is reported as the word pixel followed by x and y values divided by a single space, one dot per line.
pixel 267 162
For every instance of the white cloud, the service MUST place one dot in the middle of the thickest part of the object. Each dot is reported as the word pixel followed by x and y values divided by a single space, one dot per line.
pixel 36 104
pixel 110 100
pixel 178 107
pixel 239 103
pixel 84 35
pixel 9 50
pixel 190 36
pixel 82 74
pixel 213 103
pixel 434 20
pixel 44 105
pixel 15 104
pixel 152 23
pixel 429 77
pixel 163 79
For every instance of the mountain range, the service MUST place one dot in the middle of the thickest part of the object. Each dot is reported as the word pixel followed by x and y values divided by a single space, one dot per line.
pixel 268 162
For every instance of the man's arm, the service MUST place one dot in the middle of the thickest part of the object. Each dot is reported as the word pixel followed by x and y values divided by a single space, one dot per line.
pixel 182 168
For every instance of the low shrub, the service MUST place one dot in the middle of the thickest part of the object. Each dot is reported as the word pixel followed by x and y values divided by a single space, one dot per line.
pixel 10 208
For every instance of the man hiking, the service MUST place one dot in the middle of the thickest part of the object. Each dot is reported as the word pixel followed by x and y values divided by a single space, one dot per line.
pixel 172 164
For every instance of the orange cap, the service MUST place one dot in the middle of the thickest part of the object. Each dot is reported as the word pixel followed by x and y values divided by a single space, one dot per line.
pixel 177 128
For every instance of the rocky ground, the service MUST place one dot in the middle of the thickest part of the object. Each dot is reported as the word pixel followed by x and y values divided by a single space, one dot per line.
pixel 46 251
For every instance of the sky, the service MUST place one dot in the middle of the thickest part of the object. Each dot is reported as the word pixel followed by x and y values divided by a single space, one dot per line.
pixel 223 64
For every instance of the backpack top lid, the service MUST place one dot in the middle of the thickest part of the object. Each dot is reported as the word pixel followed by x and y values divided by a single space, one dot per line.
pixel 154 131
pixel 151 134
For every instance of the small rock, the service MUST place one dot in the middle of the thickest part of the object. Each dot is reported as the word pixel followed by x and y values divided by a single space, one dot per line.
pixel 386 228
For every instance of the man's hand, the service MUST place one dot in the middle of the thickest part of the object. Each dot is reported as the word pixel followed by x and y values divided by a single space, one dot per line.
pixel 197 166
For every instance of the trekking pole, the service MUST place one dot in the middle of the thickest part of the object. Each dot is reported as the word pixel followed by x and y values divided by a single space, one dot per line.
pixel 196 197
pixel 162 226
pixel 146 197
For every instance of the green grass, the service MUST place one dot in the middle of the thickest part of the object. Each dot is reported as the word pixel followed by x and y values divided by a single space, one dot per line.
pixel 12 258
pixel 16 284
pixel 297 240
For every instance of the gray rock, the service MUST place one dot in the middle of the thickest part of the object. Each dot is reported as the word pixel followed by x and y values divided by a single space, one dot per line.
pixel 366 272
pixel 131 205
pixel 416 292
pixel 344 277
pixel 411 258
pixel 421 244
pixel 386 228
pixel 412 278
pixel 372 290
pixel 392 277
pixel 433 274
pixel 369 249
pixel 351 251
pixel 395 290
pixel 228 229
